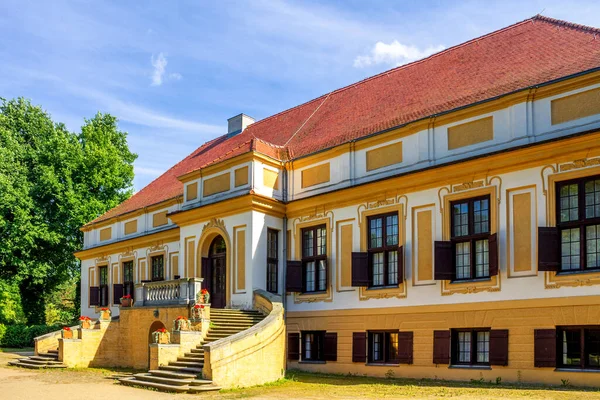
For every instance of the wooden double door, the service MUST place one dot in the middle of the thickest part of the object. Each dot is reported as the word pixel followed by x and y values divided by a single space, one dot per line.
pixel 214 272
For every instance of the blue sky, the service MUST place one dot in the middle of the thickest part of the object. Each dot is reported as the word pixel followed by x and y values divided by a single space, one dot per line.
pixel 174 71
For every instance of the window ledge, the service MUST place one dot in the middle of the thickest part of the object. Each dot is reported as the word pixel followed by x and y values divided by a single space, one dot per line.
pixel 382 365
pixel 313 293
pixel 563 369
pixel 470 367
pixel 382 287
pixel 311 362
pixel 578 272
pixel 488 279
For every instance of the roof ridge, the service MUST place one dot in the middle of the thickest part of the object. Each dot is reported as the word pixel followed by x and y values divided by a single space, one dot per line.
pixel 567 24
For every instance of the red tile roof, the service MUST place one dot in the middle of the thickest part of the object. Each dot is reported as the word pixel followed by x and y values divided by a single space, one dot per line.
pixel 525 54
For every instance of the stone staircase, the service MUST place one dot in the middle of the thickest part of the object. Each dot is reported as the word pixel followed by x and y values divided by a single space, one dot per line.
pixel 44 360
pixel 185 374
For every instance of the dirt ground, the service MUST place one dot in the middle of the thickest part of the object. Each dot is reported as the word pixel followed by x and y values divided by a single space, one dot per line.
pixel 23 384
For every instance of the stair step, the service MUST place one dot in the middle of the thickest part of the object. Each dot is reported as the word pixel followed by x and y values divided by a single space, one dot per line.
pixel 193 364
pixel 24 364
pixel 154 385
pixel 200 382
pixel 31 361
pixel 197 350
pixel 203 388
pixel 172 374
pixel 191 359
pixel 196 356
pixel 53 351
pixel 43 358
pixel 161 379
pixel 185 370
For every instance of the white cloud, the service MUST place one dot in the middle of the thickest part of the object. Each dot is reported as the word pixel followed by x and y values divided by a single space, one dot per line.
pixel 159 64
pixel 153 172
pixel 395 54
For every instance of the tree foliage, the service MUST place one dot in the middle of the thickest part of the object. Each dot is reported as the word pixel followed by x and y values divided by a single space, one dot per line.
pixel 53 181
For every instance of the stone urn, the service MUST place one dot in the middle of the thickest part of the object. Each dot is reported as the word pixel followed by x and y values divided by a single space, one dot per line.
pixel 85 322
pixel 126 301
pixel 161 336
pixel 182 324
pixel 105 314
pixel 67 333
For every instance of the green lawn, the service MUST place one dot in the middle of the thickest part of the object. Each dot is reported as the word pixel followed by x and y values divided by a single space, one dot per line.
pixel 298 384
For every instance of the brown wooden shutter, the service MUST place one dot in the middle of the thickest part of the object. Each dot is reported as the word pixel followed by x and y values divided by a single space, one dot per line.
pixel 117 293
pixel 360 269
pixel 359 347
pixel 548 249
pixel 499 347
pixel 293 346
pixel 441 347
pixel 400 264
pixel 405 347
pixel 94 296
pixel 493 254
pixel 294 276
pixel 330 350
pixel 544 348
pixel 444 267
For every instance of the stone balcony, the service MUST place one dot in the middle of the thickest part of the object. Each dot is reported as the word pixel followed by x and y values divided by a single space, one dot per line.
pixel 163 293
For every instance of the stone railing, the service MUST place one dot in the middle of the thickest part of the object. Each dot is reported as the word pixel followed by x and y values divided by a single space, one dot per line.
pixel 254 356
pixel 174 292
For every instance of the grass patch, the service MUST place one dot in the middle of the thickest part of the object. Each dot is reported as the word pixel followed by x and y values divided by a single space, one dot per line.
pixel 15 350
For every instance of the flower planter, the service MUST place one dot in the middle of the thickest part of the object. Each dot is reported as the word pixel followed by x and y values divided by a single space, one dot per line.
pixel 105 314
pixel 85 323
pixel 67 334
pixel 126 302
pixel 162 337
pixel 182 324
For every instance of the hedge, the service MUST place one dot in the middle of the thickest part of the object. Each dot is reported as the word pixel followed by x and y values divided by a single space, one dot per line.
pixel 20 335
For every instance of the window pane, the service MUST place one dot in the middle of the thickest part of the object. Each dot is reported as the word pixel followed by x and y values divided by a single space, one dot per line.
pixel 392 268
pixel 464 347
pixel 308 243
pixel 481 216
pixel 310 276
pixel 569 203
pixel 392 346
pixel 321 241
pixel 482 265
pixel 592 199
pixel 460 215
pixel 391 230
pixel 375 233
pixel 463 260
pixel 308 346
pixel 128 271
pixel 377 346
pixel 322 284
pixel 103 276
pixel 592 242
pixel 483 347
pixel 570 249
pixel 571 347
pixel 272 244
pixel 592 345
pixel 377 269
pixel 272 277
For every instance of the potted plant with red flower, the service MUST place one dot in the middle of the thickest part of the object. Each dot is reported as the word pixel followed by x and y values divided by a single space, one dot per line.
pixel 204 297
pixel 85 322
pixel 126 301
pixel 161 336
pixel 182 324
pixel 197 311
pixel 67 333
pixel 105 314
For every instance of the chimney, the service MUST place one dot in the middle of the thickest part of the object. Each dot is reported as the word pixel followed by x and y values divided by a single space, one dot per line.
pixel 237 124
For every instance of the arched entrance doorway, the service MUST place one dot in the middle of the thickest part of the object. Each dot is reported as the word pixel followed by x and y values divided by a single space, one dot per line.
pixel 214 272
pixel 156 325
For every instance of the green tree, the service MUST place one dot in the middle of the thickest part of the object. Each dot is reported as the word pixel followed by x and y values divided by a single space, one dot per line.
pixel 53 181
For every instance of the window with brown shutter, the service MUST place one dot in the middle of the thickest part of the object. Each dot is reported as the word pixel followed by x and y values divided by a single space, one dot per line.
pixel 360 269
pixel 548 249
pixel 385 256
pixel 313 346
pixel 441 347
pixel 578 347
pixel 499 347
pixel 444 268
pixel 117 293
pixel 493 254
pixel 405 347
pixel 383 347
pixel 94 296
pixel 314 259
pixel 470 346
pixel 293 346
pixel 293 279
pixel 578 223
pixel 330 349
pixel 544 348
pixel 103 299
pixel 359 347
